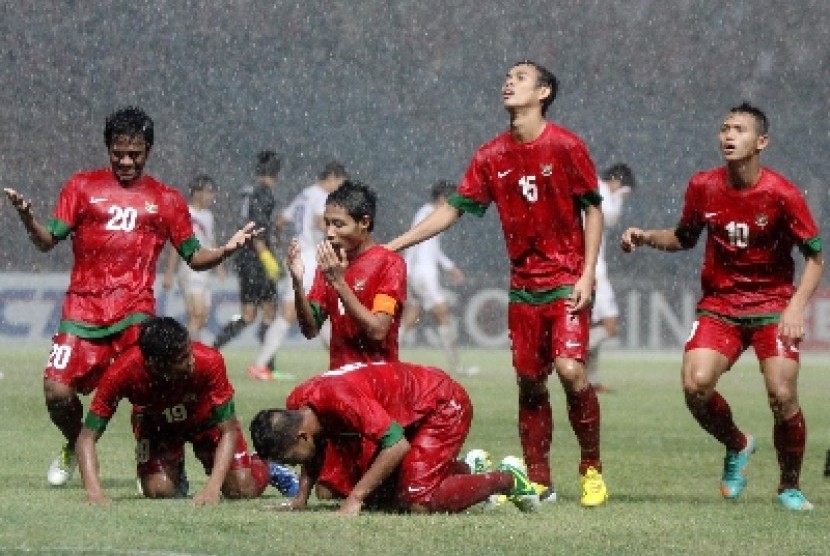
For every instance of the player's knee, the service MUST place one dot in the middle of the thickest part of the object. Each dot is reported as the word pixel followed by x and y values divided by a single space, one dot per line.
pixel 325 493
pixel 158 487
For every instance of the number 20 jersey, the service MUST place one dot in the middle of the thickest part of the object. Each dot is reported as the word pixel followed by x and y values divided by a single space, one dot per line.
pixel 117 234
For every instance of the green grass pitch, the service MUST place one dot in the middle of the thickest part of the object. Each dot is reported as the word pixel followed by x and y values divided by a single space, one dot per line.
pixel 662 473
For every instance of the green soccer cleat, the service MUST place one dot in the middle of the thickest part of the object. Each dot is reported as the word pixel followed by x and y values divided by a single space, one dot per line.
pixel 478 461
pixel 524 495
pixel 793 500
pixel 735 466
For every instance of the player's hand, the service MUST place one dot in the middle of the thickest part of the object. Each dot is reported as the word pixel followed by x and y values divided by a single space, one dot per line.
pixel 350 506
pixel 98 499
pixel 331 261
pixel 294 260
pixel 167 282
pixel 20 203
pixel 580 297
pixel 791 326
pixel 457 276
pixel 631 239
pixel 242 236
pixel 206 498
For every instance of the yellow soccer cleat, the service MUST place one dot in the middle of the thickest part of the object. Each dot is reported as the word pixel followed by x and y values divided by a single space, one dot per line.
pixel 594 491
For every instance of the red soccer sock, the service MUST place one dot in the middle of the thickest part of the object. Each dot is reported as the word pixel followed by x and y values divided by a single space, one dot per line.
pixel 716 418
pixel 259 471
pixel 535 432
pixel 456 493
pixel 789 437
pixel 583 412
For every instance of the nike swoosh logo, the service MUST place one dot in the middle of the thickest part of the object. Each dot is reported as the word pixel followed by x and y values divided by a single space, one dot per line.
pixel 502 174
pixel 571 344
pixel 96 200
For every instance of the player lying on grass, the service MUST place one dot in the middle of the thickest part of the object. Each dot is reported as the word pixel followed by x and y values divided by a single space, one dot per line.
pixel 180 393
pixel 417 416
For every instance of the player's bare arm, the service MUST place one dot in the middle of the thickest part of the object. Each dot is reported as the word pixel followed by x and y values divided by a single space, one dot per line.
pixel 440 219
pixel 38 234
pixel 294 261
pixel 584 287
pixel 664 240
pixel 211 492
pixel 207 258
pixel 791 326
pixel 384 465
pixel 88 466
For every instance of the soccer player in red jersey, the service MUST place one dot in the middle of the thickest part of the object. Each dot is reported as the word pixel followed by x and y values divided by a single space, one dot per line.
pixel 180 393
pixel 417 416
pixel 359 285
pixel 754 218
pixel 544 185
pixel 119 220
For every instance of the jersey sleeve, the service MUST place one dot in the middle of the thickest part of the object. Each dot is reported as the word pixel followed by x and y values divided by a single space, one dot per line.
pixel 393 286
pixel 179 224
pixel 473 194
pixel 801 223
pixel 341 402
pixel 582 175
pixel 220 389
pixel 111 389
pixel 691 222
pixel 68 210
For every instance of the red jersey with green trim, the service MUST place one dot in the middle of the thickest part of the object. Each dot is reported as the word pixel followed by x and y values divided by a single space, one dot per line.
pixel 539 189
pixel 375 271
pixel 172 407
pixel 365 398
pixel 117 234
pixel 748 267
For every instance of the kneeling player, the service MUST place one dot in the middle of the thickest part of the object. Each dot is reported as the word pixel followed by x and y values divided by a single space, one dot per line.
pixel 180 393
pixel 417 416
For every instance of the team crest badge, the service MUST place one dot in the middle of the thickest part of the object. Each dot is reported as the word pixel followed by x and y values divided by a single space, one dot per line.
pixel 761 220
pixel 151 207
pixel 547 170
pixel 359 284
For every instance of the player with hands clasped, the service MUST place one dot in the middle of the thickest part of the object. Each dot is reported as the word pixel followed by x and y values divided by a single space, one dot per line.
pixel 754 218
pixel 543 182
pixel 118 219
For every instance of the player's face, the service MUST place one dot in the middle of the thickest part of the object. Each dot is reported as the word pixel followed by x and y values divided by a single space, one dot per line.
pixel 739 137
pixel 345 234
pixel 174 369
pixel 205 197
pixel 127 157
pixel 521 87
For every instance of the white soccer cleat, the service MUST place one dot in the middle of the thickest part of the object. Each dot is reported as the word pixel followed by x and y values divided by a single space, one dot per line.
pixel 478 461
pixel 62 467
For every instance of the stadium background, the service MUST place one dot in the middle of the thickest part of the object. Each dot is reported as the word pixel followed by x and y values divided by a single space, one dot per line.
pixel 402 93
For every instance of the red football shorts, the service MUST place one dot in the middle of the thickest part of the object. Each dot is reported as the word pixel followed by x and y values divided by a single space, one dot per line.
pixel 80 362
pixel 541 333
pixel 156 453
pixel 731 340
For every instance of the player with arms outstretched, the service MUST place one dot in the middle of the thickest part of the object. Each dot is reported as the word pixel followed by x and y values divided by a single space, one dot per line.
pixel 754 218
pixel 544 185
pixel 119 220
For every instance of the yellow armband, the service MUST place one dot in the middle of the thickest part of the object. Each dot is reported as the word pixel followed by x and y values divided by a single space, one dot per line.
pixel 270 264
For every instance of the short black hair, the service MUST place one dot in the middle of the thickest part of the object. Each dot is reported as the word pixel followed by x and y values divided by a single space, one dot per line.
pixel 268 163
pixel 442 188
pixel 761 120
pixel 274 432
pixel 546 78
pixel 619 171
pixel 162 338
pixel 200 182
pixel 357 198
pixel 130 121
pixel 333 169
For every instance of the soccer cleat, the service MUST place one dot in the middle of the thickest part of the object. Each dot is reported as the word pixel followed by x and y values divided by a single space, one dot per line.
pixel 793 500
pixel 478 461
pixel 280 375
pixel 547 494
pixel 523 495
pixel 259 373
pixel 62 467
pixel 594 491
pixel 283 479
pixel 735 466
